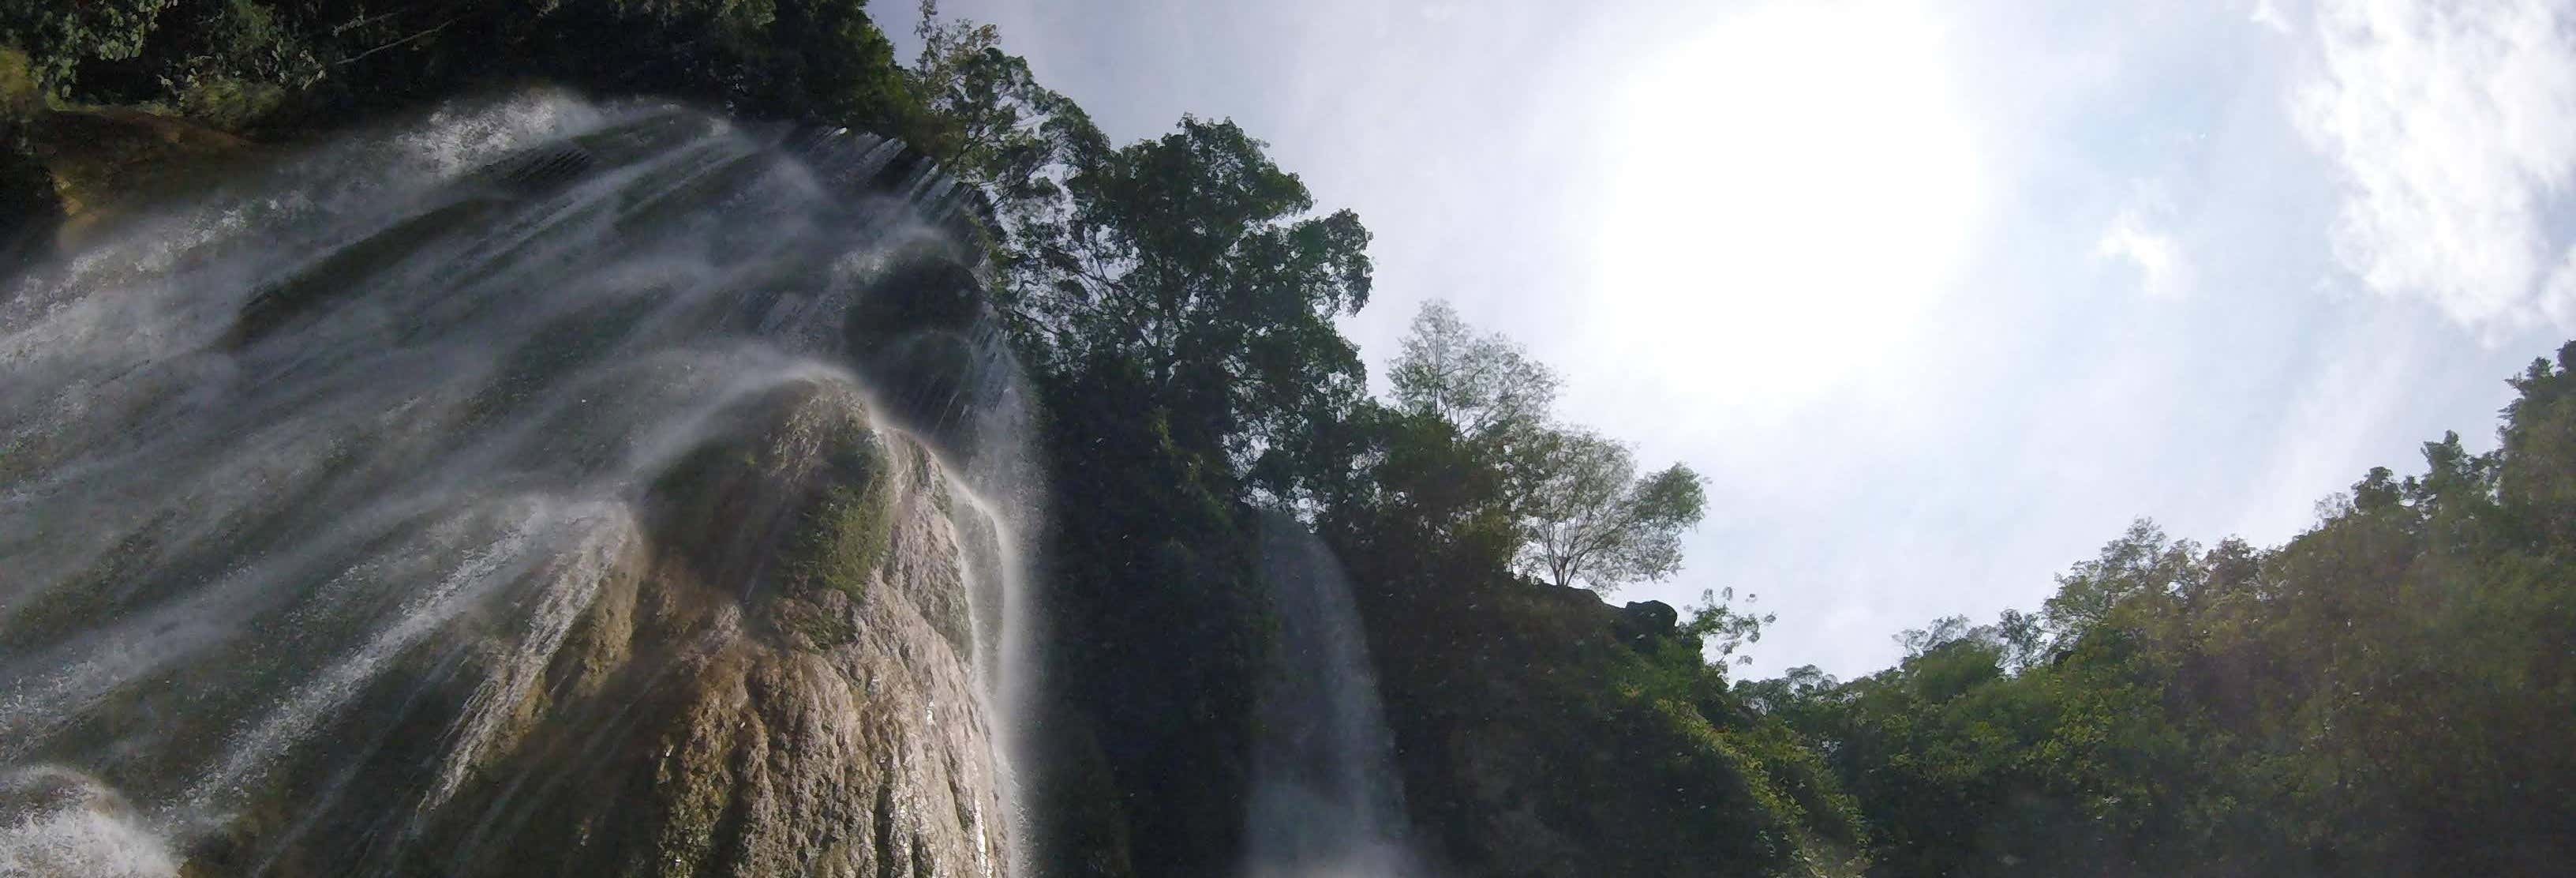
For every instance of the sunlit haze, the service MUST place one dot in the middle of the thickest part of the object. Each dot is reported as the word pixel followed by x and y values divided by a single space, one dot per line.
pixel 1784 196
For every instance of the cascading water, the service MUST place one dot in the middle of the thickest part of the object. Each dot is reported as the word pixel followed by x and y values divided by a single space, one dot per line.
pixel 500 495
pixel 1326 799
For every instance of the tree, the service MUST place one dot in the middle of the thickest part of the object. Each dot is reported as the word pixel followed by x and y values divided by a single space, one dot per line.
pixel 996 128
pixel 1173 301
pixel 59 37
pixel 2141 566
pixel 1484 384
pixel 1919 642
pixel 1590 521
pixel 1197 260
pixel 1583 515
pixel 1724 629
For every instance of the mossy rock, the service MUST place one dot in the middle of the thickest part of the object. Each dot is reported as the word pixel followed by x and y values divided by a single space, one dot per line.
pixel 847 531
pixel 817 623
pixel 797 504
pixel 230 103
pixel 99 159
pixel 20 94
pixel 794 461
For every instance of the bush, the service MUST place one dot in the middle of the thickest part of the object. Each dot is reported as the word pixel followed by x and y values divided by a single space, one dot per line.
pixel 58 37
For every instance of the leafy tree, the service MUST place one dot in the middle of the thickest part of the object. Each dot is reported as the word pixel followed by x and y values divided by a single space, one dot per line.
pixel 1197 259
pixel 60 37
pixel 1583 514
pixel 1723 629
pixel 997 128
pixel 1592 521
pixel 1484 384
pixel 2142 565
pixel 2360 700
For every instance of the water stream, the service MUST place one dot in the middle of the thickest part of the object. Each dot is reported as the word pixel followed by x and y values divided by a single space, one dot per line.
pixel 1326 799
pixel 319 467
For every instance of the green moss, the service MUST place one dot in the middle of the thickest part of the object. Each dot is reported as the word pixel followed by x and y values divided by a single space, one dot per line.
pixel 846 528
pixel 847 536
pixel 20 93
pixel 693 481
pixel 230 103
pixel 692 499
pixel 821 628
pixel 696 791
pixel 816 620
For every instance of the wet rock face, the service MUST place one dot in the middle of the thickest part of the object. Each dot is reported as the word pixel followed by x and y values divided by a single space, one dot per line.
pixel 711 711
pixel 718 719
pixel 936 350
pixel 416 509
pixel 62 172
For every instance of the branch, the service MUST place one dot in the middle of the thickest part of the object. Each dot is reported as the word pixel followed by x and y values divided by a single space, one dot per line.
pixel 363 21
pixel 357 57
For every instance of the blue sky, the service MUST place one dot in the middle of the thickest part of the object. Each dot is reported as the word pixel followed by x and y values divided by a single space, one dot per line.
pixel 1939 295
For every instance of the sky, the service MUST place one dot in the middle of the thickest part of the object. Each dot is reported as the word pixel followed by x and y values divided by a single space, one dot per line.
pixel 1939 296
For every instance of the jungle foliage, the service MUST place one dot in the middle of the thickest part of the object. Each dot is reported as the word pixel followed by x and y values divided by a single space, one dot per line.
pixel 2386 694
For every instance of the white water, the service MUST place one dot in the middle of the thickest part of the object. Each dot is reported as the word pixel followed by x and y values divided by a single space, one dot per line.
pixel 1326 799
pixel 54 821
pixel 226 548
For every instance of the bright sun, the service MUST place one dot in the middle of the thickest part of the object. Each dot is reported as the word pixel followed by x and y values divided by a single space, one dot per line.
pixel 1788 194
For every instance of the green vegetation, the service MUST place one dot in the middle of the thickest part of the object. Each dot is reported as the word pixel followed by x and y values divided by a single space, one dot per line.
pixel 844 540
pixel 19 93
pixel 2386 694
pixel 1539 730
pixel 1571 497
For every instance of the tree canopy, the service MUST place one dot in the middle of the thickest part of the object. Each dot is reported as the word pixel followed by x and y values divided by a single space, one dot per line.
pixel 1592 521
pixel 1483 384
pixel 1581 513
pixel 2361 700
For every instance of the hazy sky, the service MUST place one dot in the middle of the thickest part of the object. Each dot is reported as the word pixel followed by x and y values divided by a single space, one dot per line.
pixel 1939 295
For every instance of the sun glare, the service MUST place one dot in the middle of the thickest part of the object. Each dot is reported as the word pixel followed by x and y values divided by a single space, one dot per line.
pixel 1788 194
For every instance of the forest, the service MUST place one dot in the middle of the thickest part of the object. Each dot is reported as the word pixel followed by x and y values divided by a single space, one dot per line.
pixel 2387 693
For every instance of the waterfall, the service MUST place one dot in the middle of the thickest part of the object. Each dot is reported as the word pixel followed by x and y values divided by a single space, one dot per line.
pixel 336 519
pixel 1326 799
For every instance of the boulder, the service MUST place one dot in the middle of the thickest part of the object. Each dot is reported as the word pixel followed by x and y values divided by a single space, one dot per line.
pixel 1641 623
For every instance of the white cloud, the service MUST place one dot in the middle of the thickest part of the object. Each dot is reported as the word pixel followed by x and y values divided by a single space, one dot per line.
pixel 2269 15
pixel 2558 299
pixel 2155 254
pixel 2453 127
